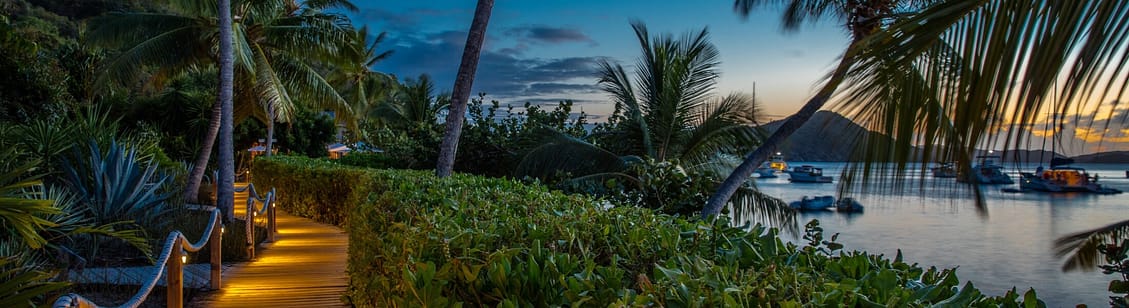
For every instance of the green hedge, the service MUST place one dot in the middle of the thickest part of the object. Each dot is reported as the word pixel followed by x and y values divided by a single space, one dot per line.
pixel 415 240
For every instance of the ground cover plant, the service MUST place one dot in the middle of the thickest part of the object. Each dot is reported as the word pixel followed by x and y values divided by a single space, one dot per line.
pixel 417 240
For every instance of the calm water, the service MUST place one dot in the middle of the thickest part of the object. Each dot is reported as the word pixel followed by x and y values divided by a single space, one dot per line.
pixel 937 224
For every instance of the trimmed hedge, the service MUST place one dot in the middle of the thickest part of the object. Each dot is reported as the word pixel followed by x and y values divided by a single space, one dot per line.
pixel 416 240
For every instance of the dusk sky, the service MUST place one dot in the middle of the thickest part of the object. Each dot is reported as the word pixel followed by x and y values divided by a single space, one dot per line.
pixel 545 51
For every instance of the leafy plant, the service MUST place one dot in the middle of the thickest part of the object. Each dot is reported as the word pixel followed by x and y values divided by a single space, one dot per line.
pixel 418 240
pixel 116 185
pixel 22 286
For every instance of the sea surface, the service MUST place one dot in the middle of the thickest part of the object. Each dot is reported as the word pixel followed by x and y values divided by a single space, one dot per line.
pixel 935 222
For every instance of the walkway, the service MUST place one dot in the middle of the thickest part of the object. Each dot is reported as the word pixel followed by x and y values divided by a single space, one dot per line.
pixel 305 267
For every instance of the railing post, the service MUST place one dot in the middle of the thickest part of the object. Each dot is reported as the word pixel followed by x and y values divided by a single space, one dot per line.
pixel 216 243
pixel 174 282
pixel 271 227
pixel 250 226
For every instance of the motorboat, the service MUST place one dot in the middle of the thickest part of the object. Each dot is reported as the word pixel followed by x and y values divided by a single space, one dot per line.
pixel 765 171
pixel 986 172
pixel 848 205
pixel 817 203
pixel 1063 179
pixel 776 162
pixel 808 174
pixel 944 170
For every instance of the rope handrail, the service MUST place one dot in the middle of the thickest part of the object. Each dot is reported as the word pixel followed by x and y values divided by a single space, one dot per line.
pixel 75 300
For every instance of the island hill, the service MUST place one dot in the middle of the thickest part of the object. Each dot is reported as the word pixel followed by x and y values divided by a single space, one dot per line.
pixel 830 137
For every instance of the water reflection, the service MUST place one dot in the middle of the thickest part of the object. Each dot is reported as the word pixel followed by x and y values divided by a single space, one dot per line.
pixel 936 222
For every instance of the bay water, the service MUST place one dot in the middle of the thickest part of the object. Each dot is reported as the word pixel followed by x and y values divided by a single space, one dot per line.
pixel 935 222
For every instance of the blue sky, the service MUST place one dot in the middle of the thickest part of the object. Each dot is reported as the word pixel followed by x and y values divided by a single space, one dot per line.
pixel 544 51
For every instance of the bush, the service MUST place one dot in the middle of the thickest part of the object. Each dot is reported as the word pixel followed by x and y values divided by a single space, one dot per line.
pixel 416 240
pixel 369 160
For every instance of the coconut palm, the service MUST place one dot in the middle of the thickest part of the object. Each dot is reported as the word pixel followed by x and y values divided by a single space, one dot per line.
pixel 668 115
pixel 862 18
pixel 463 82
pixel 669 108
pixel 413 104
pixel 353 76
pixel 276 47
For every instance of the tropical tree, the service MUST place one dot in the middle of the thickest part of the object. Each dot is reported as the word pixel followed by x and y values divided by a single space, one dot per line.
pixel 413 104
pixel 364 88
pixel 861 18
pixel 277 46
pixel 225 184
pixel 669 128
pixel 672 113
pixel 463 82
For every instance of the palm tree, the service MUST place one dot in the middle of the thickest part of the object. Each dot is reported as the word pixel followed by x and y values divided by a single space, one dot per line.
pixel 861 18
pixel 225 184
pixel 278 43
pixel 671 113
pixel 413 104
pixel 667 113
pixel 463 82
pixel 364 88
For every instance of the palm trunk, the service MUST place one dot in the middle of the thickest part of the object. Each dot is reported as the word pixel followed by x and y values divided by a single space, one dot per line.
pixel 192 192
pixel 270 137
pixel 225 194
pixel 270 130
pixel 463 82
pixel 718 200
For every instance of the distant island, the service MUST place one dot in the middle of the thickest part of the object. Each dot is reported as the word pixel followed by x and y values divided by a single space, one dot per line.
pixel 831 137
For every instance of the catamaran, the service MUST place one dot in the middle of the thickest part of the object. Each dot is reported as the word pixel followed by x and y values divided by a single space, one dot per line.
pixel 1063 178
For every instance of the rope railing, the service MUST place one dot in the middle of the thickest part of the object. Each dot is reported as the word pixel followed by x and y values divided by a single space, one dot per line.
pixel 174 243
pixel 267 208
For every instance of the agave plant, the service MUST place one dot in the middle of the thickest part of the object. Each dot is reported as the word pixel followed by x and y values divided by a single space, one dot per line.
pixel 116 185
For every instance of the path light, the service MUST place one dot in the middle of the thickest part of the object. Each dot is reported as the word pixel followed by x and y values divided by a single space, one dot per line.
pixel 183 259
pixel 222 228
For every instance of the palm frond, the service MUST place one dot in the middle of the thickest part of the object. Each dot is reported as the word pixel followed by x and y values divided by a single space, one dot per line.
pixel 749 204
pixel 1081 249
pixel 561 154
pixel 722 126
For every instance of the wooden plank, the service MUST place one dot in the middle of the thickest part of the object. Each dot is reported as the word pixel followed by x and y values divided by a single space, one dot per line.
pixel 304 267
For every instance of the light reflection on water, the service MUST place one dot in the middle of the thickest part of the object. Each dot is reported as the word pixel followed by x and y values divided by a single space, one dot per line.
pixel 936 224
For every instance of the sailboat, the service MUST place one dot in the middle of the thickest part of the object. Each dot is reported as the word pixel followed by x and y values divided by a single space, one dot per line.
pixel 1063 178
pixel 986 171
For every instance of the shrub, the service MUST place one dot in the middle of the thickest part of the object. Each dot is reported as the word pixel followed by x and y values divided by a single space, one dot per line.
pixel 369 160
pixel 416 240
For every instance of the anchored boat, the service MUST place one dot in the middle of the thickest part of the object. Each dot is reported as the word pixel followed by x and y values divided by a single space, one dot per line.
pixel 987 172
pixel 1063 179
pixel 808 174
pixel 818 203
pixel 944 170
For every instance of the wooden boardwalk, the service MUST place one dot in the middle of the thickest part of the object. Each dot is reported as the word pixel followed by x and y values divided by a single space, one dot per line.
pixel 304 267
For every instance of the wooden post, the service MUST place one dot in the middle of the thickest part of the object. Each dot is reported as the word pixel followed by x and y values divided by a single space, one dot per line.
pixel 249 230
pixel 271 227
pixel 174 282
pixel 216 246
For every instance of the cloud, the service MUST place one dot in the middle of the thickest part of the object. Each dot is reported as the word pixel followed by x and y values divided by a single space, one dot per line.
pixel 405 21
pixel 504 73
pixel 550 35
